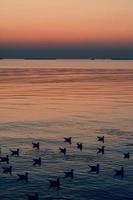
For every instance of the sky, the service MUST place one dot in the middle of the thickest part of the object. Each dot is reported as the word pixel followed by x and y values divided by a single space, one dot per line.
pixel 66 28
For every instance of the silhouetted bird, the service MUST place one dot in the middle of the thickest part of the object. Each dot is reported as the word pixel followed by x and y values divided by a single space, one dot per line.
pixel 95 168
pixel 33 197
pixel 55 183
pixel 119 172
pixel 4 159
pixel 63 150
pixel 100 138
pixel 101 150
pixel 127 155
pixel 35 145
pixel 37 161
pixel 69 174
pixel 23 177
pixel 7 170
pixel 15 152
pixel 80 146
pixel 68 140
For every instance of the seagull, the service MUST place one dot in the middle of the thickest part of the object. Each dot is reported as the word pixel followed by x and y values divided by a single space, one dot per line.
pixel 7 170
pixel 36 145
pixel 55 183
pixel 4 159
pixel 119 172
pixel 63 150
pixel 100 150
pixel 68 140
pixel 80 146
pixel 95 168
pixel 37 161
pixel 100 138
pixel 127 155
pixel 69 174
pixel 23 177
pixel 15 152
pixel 33 197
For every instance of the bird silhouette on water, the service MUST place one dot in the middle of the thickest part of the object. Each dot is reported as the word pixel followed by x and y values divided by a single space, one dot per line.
pixel 37 161
pixel 36 145
pixel 33 196
pixel 15 152
pixel 94 168
pixel 100 150
pixel 23 177
pixel 127 155
pixel 68 140
pixel 69 174
pixel 55 183
pixel 4 159
pixel 100 138
pixel 119 172
pixel 7 170
pixel 63 150
pixel 80 146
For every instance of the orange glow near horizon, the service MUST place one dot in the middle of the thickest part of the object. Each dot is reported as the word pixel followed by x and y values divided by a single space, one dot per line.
pixel 66 21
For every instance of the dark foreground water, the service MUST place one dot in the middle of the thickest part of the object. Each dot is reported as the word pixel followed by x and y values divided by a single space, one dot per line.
pixel 47 100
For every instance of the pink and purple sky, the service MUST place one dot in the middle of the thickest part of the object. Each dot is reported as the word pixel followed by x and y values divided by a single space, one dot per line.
pixel 55 26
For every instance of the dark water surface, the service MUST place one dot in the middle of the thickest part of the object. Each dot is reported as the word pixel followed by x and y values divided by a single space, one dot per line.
pixel 47 100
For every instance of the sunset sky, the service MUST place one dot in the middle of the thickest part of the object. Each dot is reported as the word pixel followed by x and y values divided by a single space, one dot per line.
pixel 70 26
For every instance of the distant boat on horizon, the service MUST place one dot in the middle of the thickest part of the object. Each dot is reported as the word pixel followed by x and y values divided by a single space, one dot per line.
pixel 92 58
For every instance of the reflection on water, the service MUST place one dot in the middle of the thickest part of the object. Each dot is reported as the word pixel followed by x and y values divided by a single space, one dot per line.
pixel 47 100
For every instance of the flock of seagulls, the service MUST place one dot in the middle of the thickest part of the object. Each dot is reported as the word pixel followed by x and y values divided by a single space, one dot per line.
pixel 69 174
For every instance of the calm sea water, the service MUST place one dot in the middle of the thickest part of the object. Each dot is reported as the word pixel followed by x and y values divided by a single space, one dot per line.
pixel 47 100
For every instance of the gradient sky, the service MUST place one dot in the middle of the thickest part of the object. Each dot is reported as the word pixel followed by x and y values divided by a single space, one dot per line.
pixel 56 25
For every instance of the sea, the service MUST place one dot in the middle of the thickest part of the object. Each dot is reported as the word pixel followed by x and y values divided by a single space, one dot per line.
pixel 46 100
